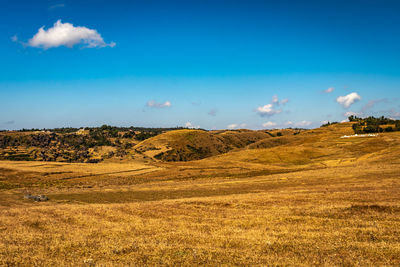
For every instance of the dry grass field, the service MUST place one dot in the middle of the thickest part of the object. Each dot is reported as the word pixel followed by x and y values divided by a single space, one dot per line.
pixel 307 199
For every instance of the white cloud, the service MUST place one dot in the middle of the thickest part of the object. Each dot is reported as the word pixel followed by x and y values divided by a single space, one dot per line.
pixel 66 34
pixel 288 123
pixel 235 125
pixel 346 120
pixel 284 101
pixel 270 109
pixel 303 123
pixel 269 124
pixel 324 122
pixel 154 104
pixel 329 90
pixel 190 125
pixel 267 110
pixel 347 100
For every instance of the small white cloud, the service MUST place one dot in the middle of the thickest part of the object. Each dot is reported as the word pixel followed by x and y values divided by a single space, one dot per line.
pixel 347 100
pixel 232 126
pixel 329 90
pixel 269 124
pixel 303 123
pixel 190 125
pixel 324 122
pixel 270 109
pixel 236 125
pixel 288 123
pixel 267 110
pixel 154 104
pixel 66 34
pixel 284 101
pixel 346 120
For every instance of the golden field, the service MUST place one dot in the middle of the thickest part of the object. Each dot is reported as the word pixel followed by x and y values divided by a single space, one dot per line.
pixel 312 198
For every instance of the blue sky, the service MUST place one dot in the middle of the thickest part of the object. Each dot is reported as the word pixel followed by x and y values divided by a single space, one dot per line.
pixel 213 64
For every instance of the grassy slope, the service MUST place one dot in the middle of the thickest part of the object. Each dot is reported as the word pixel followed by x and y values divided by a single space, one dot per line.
pixel 185 145
pixel 315 200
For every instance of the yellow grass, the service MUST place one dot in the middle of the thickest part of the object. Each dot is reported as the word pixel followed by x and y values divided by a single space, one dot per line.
pixel 316 200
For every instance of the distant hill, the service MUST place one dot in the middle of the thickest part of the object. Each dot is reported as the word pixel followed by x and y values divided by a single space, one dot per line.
pixel 374 125
pixel 73 144
pixel 106 143
pixel 314 148
pixel 185 145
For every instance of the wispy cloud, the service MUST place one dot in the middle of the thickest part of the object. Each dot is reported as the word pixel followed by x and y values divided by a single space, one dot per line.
pixel 190 125
pixel 372 103
pixel 329 90
pixel 14 38
pixel 393 113
pixel 212 112
pixel 66 34
pixel 9 122
pixel 52 7
pixel 269 124
pixel 236 126
pixel 284 101
pixel 366 109
pixel 303 123
pixel 154 104
pixel 347 100
pixel 275 100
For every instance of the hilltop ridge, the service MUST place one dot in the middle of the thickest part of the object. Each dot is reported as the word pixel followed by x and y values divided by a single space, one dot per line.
pixel 123 144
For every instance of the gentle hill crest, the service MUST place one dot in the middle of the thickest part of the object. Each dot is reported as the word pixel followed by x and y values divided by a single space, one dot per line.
pixel 107 143
pixel 186 145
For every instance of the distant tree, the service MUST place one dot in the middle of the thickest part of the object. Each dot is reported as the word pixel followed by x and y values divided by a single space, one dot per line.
pixel 397 125
pixel 389 129
pixel 353 118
